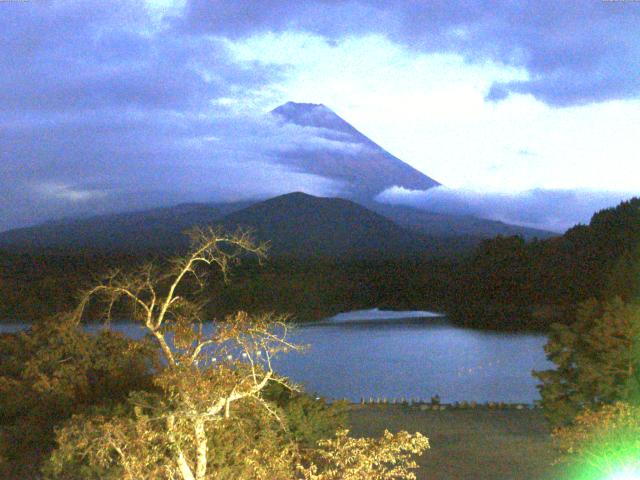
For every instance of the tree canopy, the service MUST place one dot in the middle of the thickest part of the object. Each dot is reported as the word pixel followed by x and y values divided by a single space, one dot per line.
pixel 597 360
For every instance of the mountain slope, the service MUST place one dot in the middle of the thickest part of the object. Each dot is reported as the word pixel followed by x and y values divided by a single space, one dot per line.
pixel 445 225
pixel 159 228
pixel 347 155
pixel 350 157
pixel 303 225
pixel 296 223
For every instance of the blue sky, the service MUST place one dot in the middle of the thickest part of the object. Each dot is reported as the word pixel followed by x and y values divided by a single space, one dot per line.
pixel 526 111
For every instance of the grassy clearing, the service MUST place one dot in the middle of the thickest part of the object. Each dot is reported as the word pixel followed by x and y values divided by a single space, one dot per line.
pixel 478 444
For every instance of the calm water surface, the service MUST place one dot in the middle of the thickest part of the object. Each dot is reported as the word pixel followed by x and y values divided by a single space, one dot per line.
pixel 407 354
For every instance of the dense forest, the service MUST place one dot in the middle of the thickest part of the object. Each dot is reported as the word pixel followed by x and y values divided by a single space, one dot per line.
pixel 506 283
pixel 34 286
pixel 541 282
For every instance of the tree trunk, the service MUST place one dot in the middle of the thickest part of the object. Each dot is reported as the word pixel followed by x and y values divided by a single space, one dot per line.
pixel 201 449
pixel 183 466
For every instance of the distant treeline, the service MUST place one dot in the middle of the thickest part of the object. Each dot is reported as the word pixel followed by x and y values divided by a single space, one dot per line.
pixel 33 286
pixel 505 284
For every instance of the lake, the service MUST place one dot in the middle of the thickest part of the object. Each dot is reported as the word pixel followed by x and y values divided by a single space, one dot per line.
pixel 374 353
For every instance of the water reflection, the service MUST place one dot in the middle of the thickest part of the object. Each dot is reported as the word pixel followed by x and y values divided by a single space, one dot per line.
pixel 415 358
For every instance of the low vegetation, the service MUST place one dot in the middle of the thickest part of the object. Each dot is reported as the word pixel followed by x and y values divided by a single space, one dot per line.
pixel 602 443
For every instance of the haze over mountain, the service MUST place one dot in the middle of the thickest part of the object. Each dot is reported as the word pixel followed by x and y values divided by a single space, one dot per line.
pixel 368 170
pixel 330 148
pixel 450 225
pixel 160 103
pixel 158 228
pixel 346 155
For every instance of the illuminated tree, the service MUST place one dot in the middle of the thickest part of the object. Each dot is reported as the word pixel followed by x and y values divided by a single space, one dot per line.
pixel 346 458
pixel 55 370
pixel 207 415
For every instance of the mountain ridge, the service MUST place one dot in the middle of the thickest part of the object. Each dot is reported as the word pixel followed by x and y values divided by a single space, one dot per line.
pixel 350 157
pixel 302 225
pixel 162 228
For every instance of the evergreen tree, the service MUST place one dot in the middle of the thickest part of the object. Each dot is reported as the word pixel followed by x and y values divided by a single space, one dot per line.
pixel 596 360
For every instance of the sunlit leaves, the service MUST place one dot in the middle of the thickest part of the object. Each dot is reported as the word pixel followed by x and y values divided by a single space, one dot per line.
pixel 54 370
pixel 347 458
pixel 206 413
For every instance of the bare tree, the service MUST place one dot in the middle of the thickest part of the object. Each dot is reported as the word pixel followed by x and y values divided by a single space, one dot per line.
pixel 204 375
pixel 208 387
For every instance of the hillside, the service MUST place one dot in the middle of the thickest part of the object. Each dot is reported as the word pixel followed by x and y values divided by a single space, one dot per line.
pixel 445 225
pixel 160 228
pixel 295 224
pixel 507 279
pixel 302 225
pixel 163 228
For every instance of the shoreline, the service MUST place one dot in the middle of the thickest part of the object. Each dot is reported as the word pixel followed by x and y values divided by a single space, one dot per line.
pixel 423 406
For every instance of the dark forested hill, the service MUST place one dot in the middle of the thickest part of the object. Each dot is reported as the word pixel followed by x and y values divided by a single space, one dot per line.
pixel 302 225
pixel 325 254
pixel 600 260
pixel 163 228
pixel 295 224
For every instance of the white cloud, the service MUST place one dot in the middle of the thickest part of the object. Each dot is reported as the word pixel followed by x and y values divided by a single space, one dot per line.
pixel 135 107
pixel 53 191
pixel 430 111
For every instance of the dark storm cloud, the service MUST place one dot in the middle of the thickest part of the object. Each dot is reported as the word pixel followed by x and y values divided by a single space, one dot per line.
pixel 104 108
pixel 575 51
pixel 555 210
pixel 86 55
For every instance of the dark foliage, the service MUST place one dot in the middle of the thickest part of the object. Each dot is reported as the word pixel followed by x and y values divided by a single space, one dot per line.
pixel 597 360
pixel 34 286
pixel 540 282
pixel 55 370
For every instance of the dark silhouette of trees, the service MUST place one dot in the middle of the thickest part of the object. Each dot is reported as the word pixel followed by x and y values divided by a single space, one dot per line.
pixel 506 283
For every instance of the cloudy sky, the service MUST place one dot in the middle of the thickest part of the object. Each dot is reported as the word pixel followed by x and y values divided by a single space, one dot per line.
pixel 526 111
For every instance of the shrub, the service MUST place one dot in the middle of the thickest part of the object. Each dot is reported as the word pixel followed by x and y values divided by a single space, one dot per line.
pixel 602 442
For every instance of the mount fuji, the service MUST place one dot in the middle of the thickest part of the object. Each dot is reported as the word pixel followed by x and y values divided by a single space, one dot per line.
pixel 347 155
